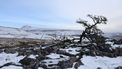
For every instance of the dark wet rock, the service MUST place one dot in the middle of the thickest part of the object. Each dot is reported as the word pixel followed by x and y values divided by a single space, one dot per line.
pixel 67 63
pixel 49 50
pixel 41 57
pixel 51 66
pixel 99 68
pixel 44 52
pixel 61 56
pixel 118 51
pixel 77 64
pixel 80 55
pixel 112 40
pixel 25 52
pixel 9 50
pixel 118 41
pixel 64 64
pixel 119 67
pixel 67 41
pixel 1 50
pixel 105 48
pixel 27 61
pixel 70 50
pixel 43 66
pixel 21 53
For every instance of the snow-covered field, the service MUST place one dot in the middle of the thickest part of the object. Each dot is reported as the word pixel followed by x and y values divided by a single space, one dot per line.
pixel 41 33
pixel 102 62
pixel 6 58
pixel 8 32
pixel 35 33
pixel 88 61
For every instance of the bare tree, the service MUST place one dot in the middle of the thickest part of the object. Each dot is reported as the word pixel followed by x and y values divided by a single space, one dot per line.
pixel 91 32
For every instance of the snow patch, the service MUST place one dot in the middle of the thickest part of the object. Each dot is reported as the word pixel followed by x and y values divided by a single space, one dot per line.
pixel 73 51
pixel 53 56
pixel 6 58
pixel 102 62
pixel 12 67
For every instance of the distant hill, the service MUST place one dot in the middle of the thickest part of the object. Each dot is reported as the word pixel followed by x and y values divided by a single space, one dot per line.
pixel 33 32
pixel 49 30
pixel 37 33
pixel 9 32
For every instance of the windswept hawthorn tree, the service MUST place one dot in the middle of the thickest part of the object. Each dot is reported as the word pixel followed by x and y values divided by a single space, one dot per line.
pixel 91 32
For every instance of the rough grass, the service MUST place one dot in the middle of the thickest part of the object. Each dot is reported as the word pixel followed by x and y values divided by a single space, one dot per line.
pixel 16 42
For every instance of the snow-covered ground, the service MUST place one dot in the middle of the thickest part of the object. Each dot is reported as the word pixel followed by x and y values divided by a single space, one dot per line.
pixel 102 62
pixel 88 61
pixel 6 58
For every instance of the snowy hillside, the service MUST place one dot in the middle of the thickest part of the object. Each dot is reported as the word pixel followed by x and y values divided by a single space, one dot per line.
pixel 8 32
pixel 27 27
pixel 33 32
pixel 49 30
pixel 42 33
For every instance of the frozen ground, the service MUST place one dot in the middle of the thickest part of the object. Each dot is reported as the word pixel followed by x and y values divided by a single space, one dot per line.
pixel 88 61
pixel 102 62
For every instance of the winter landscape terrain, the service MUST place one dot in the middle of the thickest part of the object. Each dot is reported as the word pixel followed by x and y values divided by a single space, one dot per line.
pixel 36 48
pixel 60 34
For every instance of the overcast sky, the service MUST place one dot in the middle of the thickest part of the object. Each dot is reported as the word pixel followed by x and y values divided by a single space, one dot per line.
pixel 59 13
